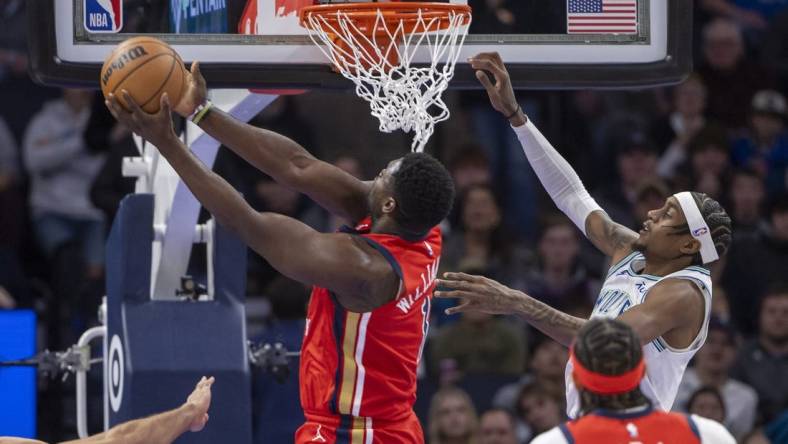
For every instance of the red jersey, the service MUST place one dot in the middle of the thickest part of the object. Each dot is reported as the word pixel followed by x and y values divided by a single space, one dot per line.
pixel 644 426
pixel 362 366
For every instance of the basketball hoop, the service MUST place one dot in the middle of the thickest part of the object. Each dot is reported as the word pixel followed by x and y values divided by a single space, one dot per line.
pixel 375 45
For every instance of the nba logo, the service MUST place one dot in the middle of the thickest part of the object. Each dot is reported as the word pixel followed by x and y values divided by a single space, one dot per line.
pixel 103 15
pixel 700 231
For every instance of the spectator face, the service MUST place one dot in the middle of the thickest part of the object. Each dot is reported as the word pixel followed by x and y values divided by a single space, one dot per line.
pixel 549 360
pixel 774 318
pixel 747 193
pixel 496 427
pixel 780 224
pixel 722 44
pixel 767 126
pixel 559 246
pixel 690 97
pixel 636 165
pixel 540 412
pixel 480 212
pixel 78 99
pixel 708 406
pixel 454 418
pixel 468 174
pixel 710 159
pixel 717 354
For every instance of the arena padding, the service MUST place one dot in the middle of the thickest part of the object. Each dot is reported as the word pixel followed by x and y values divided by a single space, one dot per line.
pixel 162 348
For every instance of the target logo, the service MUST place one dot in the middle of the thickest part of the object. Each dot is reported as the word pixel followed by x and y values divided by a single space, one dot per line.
pixel 115 373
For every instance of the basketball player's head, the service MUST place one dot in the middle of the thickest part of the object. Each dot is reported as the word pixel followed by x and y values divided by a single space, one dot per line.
pixel 667 233
pixel 610 348
pixel 416 191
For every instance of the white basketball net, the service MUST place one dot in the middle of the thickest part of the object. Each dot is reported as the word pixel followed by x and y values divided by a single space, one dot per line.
pixel 401 96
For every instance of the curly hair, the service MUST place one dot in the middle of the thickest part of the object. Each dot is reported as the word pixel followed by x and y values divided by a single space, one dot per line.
pixel 718 221
pixel 609 347
pixel 424 192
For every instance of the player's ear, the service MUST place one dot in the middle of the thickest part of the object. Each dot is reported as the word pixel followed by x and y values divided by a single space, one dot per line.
pixel 389 205
pixel 690 247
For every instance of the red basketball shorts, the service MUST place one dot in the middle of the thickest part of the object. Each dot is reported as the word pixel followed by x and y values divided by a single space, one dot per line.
pixel 345 429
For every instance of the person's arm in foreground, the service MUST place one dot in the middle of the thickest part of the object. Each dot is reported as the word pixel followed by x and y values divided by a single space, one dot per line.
pixel 338 262
pixel 557 176
pixel 669 305
pixel 287 162
pixel 163 428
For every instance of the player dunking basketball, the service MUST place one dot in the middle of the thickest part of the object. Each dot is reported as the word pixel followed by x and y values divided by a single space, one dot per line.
pixel 368 314
pixel 657 284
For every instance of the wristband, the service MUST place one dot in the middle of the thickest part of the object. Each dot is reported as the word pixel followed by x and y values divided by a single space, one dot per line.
pixel 517 110
pixel 201 111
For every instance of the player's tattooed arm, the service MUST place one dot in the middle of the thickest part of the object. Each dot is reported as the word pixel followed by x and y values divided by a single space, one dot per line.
pixel 481 294
pixel 612 238
pixel 280 157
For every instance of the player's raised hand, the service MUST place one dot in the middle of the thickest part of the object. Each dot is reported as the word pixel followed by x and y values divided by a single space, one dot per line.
pixel 200 399
pixel 194 93
pixel 479 293
pixel 501 93
pixel 155 128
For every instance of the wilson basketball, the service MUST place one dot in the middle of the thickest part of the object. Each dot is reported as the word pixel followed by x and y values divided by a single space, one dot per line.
pixel 146 67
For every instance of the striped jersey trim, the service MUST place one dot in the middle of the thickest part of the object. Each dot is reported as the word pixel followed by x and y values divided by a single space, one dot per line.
pixel 567 434
pixel 693 426
pixel 361 371
pixel 699 270
pixel 354 430
pixel 620 264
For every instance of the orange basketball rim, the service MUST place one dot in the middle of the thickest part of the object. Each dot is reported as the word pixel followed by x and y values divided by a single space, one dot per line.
pixel 377 28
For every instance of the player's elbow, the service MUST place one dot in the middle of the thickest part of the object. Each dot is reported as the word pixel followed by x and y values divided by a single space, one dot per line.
pixel 298 170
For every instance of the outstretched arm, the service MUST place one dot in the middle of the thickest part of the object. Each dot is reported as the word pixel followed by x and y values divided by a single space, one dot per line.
pixel 673 307
pixel 339 262
pixel 163 428
pixel 555 173
pixel 283 159
pixel 481 294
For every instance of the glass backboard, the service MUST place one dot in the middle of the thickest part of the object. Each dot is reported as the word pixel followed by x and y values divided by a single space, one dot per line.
pixel 258 43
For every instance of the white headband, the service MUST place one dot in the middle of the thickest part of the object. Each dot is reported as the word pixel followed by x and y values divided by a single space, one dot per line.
pixel 697 226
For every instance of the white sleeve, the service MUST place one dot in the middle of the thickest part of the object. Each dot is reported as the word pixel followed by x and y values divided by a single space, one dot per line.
pixel 557 176
pixel 712 432
pixel 552 436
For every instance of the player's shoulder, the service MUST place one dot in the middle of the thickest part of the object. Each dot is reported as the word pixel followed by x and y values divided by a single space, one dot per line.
pixel 675 286
pixel 552 436
pixel 710 431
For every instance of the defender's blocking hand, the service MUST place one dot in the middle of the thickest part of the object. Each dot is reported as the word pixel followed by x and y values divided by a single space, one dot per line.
pixel 480 294
pixel 501 93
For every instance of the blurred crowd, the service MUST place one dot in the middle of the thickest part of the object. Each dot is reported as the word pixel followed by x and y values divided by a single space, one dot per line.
pixel 484 379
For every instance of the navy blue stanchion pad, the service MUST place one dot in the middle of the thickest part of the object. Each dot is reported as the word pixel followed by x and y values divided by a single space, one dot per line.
pixel 158 350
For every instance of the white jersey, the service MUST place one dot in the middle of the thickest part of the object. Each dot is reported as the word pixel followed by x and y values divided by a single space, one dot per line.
pixel 626 287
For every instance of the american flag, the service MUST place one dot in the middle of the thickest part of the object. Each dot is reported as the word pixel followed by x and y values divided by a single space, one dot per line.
pixel 602 16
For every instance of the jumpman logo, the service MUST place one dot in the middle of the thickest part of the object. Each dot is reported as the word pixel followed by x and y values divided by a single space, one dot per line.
pixel 318 437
